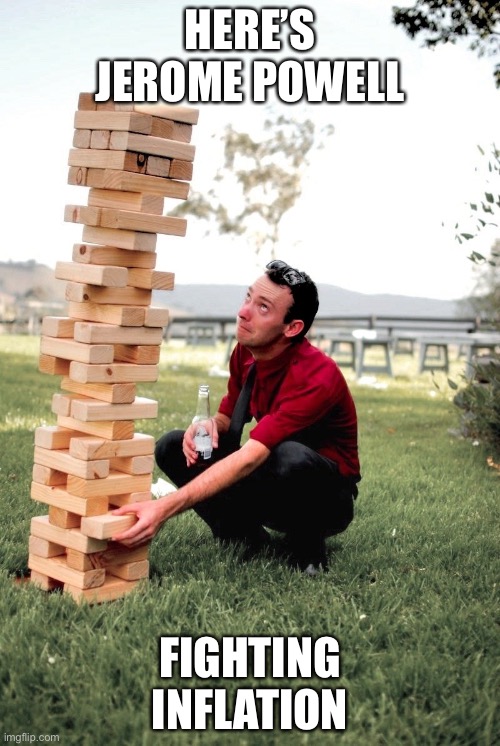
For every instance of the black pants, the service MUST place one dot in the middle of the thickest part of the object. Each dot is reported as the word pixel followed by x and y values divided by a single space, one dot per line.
pixel 295 491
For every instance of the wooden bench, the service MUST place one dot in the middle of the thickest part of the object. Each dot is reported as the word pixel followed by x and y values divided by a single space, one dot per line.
pixel 201 334
pixel 350 350
pixel 343 349
pixel 403 343
pixel 477 344
pixel 433 354
pixel 434 351
pixel 363 345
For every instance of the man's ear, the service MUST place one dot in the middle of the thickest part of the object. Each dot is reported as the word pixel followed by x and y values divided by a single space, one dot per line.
pixel 294 327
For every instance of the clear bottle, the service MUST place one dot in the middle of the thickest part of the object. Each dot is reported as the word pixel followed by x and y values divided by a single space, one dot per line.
pixel 203 434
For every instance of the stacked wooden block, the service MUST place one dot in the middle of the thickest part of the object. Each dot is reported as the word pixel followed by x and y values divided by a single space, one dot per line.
pixel 131 157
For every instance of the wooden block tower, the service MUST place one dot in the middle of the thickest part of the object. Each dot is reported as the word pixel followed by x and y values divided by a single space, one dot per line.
pixel 130 156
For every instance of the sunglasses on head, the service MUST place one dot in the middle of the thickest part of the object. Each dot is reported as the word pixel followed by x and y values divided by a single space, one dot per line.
pixel 290 275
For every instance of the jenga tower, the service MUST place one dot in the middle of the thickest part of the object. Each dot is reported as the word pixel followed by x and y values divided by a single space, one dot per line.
pixel 131 157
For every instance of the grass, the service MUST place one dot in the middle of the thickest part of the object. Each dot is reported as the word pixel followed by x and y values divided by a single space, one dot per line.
pixel 411 595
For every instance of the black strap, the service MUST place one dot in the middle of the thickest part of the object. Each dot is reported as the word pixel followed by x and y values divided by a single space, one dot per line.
pixel 233 435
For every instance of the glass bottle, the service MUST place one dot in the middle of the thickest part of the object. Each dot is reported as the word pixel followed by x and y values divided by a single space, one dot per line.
pixel 203 434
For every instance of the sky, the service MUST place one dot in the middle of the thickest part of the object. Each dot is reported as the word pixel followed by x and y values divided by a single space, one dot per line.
pixel 380 201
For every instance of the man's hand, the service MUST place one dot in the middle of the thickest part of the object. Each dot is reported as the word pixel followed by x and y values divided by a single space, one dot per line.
pixel 150 516
pixel 188 446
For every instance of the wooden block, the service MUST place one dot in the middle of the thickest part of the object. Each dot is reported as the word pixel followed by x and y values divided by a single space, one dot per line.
pixel 44 582
pixel 115 159
pixel 178 113
pixel 61 404
pixel 80 293
pixel 82 139
pixel 44 548
pixel 108 313
pixel 114 393
pixel 171 130
pixel 118 501
pixel 54 366
pixel 92 274
pixel 62 461
pixel 119 200
pixel 114 120
pixel 88 253
pixel 115 484
pixel 106 526
pixel 182 170
pixel 57 568
pixel 115 554
pixel 130 570
pixel 88 448
pixel 102 334
pixel 136 221
pixel 123 239
pixel 57 326
pixel 63 518
pixel 54 437
pixel 77 176
pixel 61 498
pixel 129 141
pixel 156 317
pixel 86 102
pixel 156 166
pixel 50 477
pixel 71 538
pixel 82 214
pixel 120 430
pixel 71 350
pixel 99 140
pixel 138 354
pixel 133 464
pixel 105 178
pixel 111 590
pixel 115 373
pixel 99 411
pixel 151 279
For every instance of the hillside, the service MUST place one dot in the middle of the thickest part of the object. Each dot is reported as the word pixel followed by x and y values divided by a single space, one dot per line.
pixel 30 280
pixel 224 300
pixel 33 280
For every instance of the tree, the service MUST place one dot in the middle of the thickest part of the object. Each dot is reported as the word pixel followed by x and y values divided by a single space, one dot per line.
pixel 449 21
pixel 259 181
pixel 485 210
pixel 485 299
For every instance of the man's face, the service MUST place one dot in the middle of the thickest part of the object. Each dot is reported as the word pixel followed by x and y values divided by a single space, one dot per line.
pixel 260 319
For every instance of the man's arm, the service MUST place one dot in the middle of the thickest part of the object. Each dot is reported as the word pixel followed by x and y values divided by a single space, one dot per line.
pixel 220 475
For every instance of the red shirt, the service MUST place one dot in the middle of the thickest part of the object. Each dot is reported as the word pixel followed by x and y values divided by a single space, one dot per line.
pixel 299 395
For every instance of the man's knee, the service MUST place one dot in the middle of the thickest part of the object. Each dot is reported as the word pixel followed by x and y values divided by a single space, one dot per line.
pixel 290 459
pixel 167 446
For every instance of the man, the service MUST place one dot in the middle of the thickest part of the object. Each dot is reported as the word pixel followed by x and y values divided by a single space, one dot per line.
pixel 298 470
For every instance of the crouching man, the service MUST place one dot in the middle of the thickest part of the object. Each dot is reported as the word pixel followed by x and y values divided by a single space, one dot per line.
pixel 298 471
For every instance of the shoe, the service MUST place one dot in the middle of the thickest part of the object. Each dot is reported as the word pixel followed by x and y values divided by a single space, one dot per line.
pixel 309 554
pixel 312 571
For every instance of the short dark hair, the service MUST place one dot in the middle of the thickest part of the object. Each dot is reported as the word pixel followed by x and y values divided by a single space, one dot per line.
pixel 304 293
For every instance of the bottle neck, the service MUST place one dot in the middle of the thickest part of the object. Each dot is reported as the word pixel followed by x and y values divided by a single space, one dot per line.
pixel 203 404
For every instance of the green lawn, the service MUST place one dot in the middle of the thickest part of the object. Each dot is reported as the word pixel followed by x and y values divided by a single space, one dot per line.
pixel 411 596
